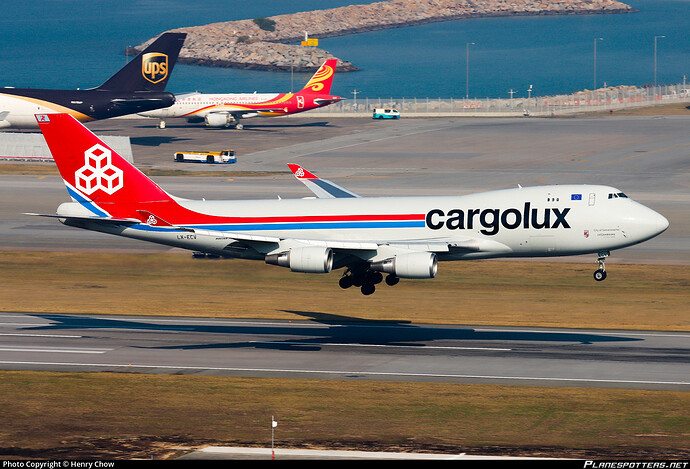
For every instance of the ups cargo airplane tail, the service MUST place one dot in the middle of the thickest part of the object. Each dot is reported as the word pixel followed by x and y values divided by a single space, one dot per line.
pixel 402 237
pixel 226 110
pixel 139 86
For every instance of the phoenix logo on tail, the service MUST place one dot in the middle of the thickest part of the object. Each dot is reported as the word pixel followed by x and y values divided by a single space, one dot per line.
pixel 321 81
pixel 367 237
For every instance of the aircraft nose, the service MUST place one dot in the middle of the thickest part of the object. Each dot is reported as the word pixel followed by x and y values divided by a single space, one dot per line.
pixel 660 223
pixel 650 223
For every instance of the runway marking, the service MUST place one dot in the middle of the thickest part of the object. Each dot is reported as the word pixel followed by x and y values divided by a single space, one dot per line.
pixel 23 324
pixel 345 373
pixel 645 153
pixel 52 350
pixel 641 154
pixel 417 347
pixel 55 336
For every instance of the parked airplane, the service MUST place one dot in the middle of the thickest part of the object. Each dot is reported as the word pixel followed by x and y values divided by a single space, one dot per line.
pixel 138 86
pixel 222 110
pixel 404 237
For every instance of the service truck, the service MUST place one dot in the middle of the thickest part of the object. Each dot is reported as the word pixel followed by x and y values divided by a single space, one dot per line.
pixel 223 156
pixel 385 114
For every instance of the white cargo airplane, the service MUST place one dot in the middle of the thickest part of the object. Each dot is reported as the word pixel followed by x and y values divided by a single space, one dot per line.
pixel 404 237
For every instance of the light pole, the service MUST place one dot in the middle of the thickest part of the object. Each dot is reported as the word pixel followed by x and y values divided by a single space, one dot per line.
pixel 467 71
pixel 655 38
pixel 595 60
pixel 354 92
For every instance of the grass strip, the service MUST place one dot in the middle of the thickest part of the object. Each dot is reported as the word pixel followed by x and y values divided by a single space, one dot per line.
pixel 52 413
pixel 636 297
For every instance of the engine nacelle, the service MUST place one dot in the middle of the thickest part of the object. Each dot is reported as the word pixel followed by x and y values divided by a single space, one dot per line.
pixel 413 265
pixel 309 259
pixel 217 120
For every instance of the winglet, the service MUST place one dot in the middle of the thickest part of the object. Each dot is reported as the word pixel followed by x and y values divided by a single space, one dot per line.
pixel 322 188
pixel 300 172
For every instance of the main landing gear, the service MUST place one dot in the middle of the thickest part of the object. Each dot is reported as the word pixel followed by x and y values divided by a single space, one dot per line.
pixel 600 274
pixel 365 279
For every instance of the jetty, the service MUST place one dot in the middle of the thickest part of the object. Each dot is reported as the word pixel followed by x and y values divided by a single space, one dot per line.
pixel 269 43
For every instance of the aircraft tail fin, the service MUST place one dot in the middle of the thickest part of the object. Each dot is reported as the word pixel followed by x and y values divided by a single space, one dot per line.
pixel 151 69
pixel 320 83
pixel 96 176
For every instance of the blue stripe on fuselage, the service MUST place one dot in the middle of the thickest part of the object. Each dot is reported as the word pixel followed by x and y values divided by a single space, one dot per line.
pixel 312 226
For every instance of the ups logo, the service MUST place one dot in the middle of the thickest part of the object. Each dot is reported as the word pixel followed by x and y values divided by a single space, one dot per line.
pixel 154 66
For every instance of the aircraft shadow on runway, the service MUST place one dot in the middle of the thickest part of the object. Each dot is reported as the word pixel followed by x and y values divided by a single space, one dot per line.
pixel 340 330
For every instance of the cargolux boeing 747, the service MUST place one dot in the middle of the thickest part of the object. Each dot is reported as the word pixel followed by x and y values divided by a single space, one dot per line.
pixel 403 237
pixel 225 110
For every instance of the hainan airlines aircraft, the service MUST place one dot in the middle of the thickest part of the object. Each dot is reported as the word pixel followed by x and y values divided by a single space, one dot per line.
pixel 403 237
pixel 138 86
pixel 224 110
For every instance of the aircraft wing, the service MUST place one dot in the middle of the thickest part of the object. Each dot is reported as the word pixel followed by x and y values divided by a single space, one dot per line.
pixel 322 188
pixel 3 115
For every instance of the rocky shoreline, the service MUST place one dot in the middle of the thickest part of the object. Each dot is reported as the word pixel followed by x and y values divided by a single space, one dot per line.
pixel 244 44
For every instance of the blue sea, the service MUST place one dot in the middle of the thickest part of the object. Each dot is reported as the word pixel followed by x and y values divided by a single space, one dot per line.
pixel 79 44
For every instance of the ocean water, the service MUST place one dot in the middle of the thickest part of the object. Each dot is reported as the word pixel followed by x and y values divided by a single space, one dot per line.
pixel 79 44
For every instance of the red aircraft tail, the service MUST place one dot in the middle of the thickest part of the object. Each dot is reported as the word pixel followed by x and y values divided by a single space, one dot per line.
pixel 94 172
pixel 320 83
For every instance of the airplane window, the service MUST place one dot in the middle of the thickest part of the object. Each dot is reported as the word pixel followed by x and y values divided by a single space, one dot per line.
pixel 620 194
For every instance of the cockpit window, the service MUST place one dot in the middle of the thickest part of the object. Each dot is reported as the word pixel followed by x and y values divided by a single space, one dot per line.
pixel 617 195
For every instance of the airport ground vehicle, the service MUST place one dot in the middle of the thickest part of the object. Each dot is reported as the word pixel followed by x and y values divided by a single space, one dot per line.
pixel 223 156
pixel 384 113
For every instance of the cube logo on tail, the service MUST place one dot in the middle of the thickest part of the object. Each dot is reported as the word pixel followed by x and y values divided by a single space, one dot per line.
pixel 98 172
pixel 154 66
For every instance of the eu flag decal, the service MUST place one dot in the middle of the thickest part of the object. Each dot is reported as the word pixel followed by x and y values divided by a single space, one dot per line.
pixel 576 197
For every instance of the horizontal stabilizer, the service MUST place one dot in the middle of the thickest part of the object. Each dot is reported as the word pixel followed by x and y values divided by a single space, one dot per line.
pixel 113 220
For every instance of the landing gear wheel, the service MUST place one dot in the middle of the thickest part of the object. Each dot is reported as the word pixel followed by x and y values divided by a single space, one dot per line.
pixel 368 289
pixel 346 282
pixel 239 126
pixel 161 125
pixel 599 275
pixel 392 280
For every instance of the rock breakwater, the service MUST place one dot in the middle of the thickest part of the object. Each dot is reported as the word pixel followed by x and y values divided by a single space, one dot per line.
pixel 244 44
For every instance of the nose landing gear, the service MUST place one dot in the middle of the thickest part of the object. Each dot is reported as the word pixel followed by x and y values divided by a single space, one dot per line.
pixel 600 274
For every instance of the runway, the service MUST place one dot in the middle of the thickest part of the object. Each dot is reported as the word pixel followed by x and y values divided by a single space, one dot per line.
pixel 319 349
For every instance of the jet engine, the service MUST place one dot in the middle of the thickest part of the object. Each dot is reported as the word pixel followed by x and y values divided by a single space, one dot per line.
pixel 413 265
pixel 309 259
pixel 217 119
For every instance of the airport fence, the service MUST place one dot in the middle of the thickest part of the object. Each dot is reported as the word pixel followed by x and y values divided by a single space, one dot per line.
pixel 604 99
